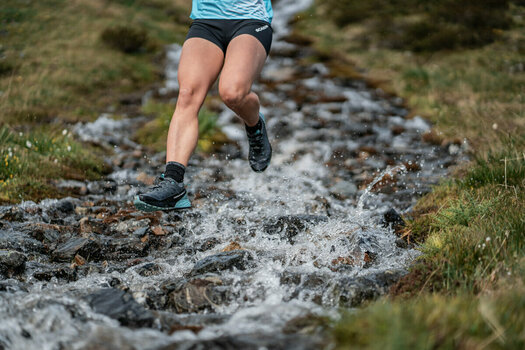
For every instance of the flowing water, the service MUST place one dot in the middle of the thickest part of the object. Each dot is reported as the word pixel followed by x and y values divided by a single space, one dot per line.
pixel 260 260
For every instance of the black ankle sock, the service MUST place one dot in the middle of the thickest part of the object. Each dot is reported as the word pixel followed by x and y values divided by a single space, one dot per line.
pixel 175 171
pixel 253 129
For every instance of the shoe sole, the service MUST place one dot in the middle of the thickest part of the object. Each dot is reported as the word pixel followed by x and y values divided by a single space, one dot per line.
pixel 183 203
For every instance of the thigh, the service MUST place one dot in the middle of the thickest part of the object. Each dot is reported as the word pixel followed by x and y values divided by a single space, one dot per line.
pixel 245 57
pixel 200 64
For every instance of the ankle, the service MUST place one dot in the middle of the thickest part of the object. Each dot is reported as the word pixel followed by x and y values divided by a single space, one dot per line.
pixel 251 130
pixel 175 171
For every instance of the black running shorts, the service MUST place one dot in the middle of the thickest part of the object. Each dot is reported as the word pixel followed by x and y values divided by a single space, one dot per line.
pixel 222 31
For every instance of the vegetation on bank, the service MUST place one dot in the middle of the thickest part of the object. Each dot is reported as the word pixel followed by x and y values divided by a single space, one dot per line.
pixel 155 132
pixel 467 77
pixel 65 61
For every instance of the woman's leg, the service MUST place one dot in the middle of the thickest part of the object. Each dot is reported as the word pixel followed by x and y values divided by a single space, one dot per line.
pixel 200 64
pixel 245 57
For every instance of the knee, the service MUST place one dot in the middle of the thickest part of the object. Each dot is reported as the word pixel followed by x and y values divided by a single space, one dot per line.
pixel 232 95
pixel 188 97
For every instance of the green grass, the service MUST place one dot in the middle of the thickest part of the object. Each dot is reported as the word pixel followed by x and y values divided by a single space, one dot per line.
pixel 61 67
pixel 437 322
pixel 155 132
pixel 32 160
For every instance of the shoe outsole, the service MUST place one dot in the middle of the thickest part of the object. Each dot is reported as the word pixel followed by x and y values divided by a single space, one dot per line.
pixel 183 203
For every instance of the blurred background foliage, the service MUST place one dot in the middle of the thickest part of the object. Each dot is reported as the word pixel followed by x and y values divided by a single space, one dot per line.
pixel 426 25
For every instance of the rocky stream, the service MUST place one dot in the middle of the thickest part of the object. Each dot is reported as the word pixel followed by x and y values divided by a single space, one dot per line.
pixel 261 261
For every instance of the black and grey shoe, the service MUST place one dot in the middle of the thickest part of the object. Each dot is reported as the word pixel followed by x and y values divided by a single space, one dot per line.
pixel 166 194
pixel 260 152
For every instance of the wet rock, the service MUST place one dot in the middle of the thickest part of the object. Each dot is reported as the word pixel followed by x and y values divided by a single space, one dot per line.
pixel 352 292
pixel 149 269
pixel 238 259
pixel 12 263
pixel 89 248
pixel 120 306
pixel 64 205
pixel 197 295
pixel 401 243
pixel 125 227
pixel 344 189
pixel 12 214
pixel 208 244
pixel 13 240
pixel 89 225
pixel 392 218
pixel 123 248
pixel 65 273
pixel 290 226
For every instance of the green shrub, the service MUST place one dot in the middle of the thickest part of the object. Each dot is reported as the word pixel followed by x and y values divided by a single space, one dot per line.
pixel 126 38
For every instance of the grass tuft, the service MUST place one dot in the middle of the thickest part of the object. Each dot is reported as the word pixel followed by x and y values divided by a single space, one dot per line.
pixel 32 160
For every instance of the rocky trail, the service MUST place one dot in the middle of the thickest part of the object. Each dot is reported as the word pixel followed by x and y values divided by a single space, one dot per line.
pixel 261 260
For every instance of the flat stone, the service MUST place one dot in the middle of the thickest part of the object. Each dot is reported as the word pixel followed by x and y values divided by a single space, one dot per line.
pixel 238 259
pixel 88 248
pixel 120 306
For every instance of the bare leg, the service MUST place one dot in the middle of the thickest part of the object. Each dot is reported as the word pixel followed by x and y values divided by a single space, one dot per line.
pixel 244 61
pixel 200 64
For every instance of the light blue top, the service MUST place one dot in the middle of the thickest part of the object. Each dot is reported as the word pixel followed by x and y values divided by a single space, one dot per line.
pixel 232 9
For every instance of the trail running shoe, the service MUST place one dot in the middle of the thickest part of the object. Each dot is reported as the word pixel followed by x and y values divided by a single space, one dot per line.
pixel 260 152
pixel 166 194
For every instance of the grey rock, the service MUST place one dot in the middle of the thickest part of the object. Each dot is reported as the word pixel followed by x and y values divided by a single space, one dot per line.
pixel 65 273
pixel 238 259
pixel 197 295
pixel 120 306
pixel 289 226
pixel 353 291
pixel 12 263
pixel 392 218
pixel 88 248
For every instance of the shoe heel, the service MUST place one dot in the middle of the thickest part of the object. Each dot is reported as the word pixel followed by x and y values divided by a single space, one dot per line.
pixel 183 203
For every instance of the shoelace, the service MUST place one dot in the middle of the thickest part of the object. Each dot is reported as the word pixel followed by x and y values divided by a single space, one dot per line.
pixel 160 183
pixel 255 142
